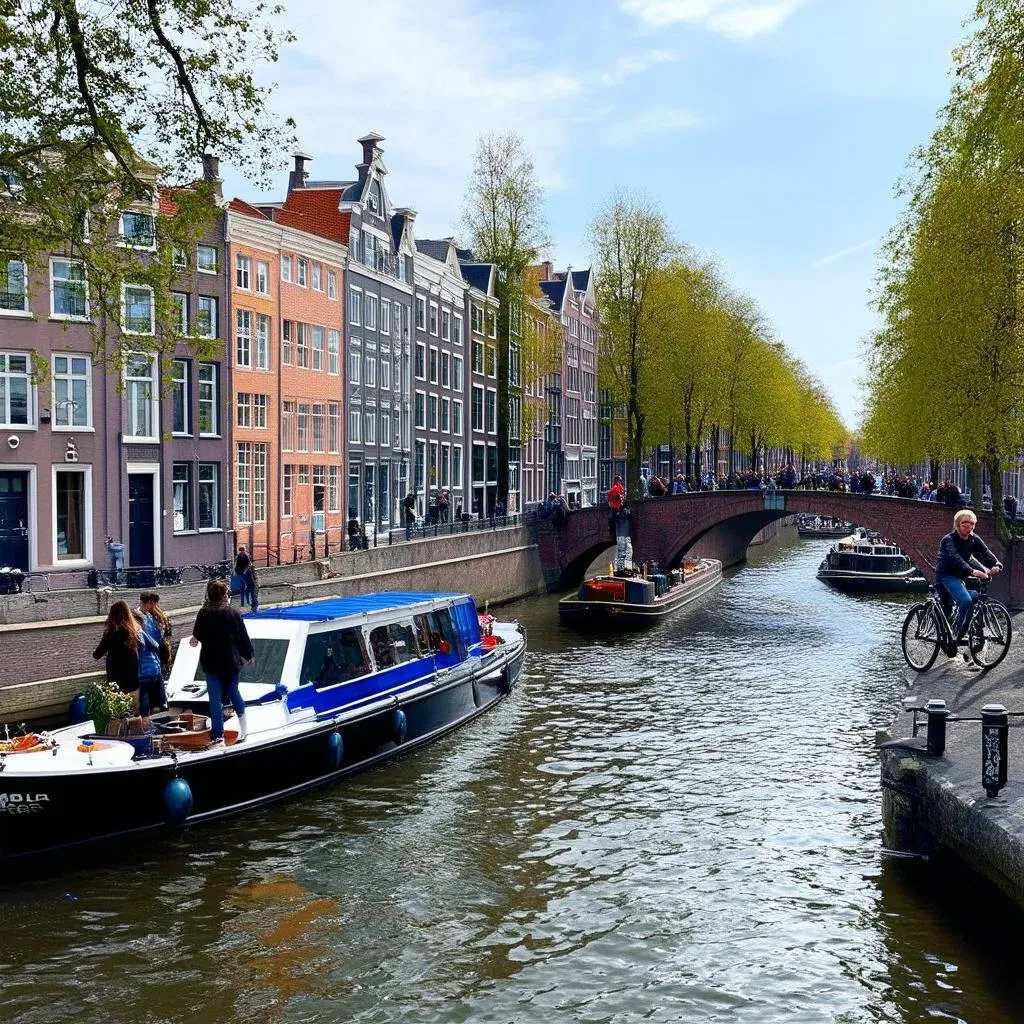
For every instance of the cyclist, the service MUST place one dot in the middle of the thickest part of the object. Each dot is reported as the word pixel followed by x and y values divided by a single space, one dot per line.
pixel 957 551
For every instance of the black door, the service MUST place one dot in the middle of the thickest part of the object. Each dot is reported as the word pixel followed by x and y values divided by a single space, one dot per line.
pixel 140 519
pixel 14 520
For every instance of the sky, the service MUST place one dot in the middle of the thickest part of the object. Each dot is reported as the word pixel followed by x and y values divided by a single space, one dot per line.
pixel 771 133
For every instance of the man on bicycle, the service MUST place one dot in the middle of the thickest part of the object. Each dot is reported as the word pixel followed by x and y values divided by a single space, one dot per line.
pixel 954 564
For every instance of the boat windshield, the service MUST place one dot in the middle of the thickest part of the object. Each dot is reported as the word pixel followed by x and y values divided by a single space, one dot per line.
pixel 268 665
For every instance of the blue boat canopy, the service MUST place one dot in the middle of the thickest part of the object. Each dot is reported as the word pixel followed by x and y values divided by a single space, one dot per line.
pixel 359 604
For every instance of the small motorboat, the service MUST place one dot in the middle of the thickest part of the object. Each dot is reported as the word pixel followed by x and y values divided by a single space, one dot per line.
pixel 631 598
pixel 336 686
pixel 865 563
pixel 810 526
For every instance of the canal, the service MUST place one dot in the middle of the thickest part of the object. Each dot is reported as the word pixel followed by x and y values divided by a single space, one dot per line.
pixel 681 825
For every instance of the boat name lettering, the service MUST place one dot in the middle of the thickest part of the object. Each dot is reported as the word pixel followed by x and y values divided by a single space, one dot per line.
pixel 22 803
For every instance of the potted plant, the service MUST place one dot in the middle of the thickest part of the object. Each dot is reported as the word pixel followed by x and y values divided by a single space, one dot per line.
pixel 104 702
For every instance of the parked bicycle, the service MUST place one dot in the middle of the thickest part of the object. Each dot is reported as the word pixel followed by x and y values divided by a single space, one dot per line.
pixel 927 629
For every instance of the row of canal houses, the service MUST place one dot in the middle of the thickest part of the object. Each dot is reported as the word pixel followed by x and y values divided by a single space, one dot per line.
pixel 359 363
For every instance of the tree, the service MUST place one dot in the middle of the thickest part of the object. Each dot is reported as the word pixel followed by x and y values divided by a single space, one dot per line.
pixel 99 104
pixel 631 245
pixel 504 220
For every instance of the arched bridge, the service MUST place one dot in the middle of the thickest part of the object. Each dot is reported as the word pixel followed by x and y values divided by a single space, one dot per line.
pixel 721 524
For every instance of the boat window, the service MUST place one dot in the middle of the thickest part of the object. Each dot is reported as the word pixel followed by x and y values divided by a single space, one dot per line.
pixel 435 632
pixel 334 656
pixel 268 664
pixel 393 644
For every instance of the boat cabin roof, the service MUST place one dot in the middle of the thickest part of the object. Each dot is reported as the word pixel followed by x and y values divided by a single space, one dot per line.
pixel 345 607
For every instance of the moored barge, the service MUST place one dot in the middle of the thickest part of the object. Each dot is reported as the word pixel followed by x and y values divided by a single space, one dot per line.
pixel 866 563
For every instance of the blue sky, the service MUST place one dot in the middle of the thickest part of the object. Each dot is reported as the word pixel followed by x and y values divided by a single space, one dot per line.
pixel 770 132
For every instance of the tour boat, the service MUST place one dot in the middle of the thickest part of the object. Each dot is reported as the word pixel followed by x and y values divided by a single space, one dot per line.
pixel 630 598
pixel 866 563
pixel 822 526
pixel 336 686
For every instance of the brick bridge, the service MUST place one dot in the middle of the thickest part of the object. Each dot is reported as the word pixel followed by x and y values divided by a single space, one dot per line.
pixel 720 524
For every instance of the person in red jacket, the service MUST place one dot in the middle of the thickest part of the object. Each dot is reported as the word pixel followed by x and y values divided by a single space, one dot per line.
pixel 616 495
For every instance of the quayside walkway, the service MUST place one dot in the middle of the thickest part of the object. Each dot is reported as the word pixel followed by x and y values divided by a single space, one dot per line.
pixel 931 801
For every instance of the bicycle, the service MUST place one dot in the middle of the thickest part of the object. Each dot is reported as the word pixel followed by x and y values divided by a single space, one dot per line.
pixel 927 630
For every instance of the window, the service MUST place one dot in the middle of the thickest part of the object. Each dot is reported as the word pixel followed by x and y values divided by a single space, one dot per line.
pixel 15 390
pixel 138 309
pixel 287 336
pixel 179 396
pixel 369 249
pixel 478 408
pixel 318 277
pixel 333 428
pixel 421 361
pixel 446 325
pixel 456 417
pixel 259 411
pixel 243 272
pixel 457 330
pixel 286 268
pixel 354 242
pixel 303 431
pixel 477 319
pixel 355 304
pixel 370 375
pixel 385 316
pixel 72 385
pixel 421 313
pixel 243 338
pixel 262 361
pixel 433 319
pixel 182 496
pixel 492 411
pixel 243 472
pixel 432 408
pixel 243 409
pixel 304 473
pixel 355 364
pixel 492 360
pixel 354 421
pixel 288 426
pixel 446 465
pixel 332 489
pixel 72 514
pixel 206 317
pixel 209 495
pixel 492 323
pixel 318 428
pixel 259 482
pixel 457 466
pixel 370 437
pixel 302 345
pixel 332 284
pixel 334 657
pixel 446 370
pixel 371 312
pixel 478 357
pixel 179 258
pixel 206 259
pixel 446 408
pixel 141 396
pixel 457 373
pixel 208 419
pixel 13 290
pixel 421 462
pixel 385 428
pixel 385 371
pixel 69 293
pixel 433 365
pixel 333 348
pixel 137 229
pixel 303 271
pixel 289 484
pixel 180 302
pixel 421 409
pixel 263 278
pixel 318 348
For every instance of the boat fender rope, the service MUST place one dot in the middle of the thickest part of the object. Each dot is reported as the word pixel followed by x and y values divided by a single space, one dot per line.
pixel 335 750
pixel 400 725
pixel 177 800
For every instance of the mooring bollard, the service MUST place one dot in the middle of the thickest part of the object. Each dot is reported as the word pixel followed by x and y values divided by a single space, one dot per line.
pixel 995 727
pixel 937 715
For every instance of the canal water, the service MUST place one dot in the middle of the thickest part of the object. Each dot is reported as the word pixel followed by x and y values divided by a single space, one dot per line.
pixel 682 825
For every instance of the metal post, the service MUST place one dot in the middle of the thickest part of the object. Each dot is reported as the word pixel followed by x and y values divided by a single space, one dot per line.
pixel 995 727
pixel 937 715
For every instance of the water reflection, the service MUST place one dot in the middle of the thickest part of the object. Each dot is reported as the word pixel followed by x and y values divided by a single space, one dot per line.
pixel 676 825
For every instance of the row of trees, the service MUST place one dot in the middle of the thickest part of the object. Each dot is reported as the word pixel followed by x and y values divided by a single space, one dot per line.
pixel 947 364
pixel 686 356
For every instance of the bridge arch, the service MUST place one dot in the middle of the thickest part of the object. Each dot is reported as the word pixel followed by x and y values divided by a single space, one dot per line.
pixel 721 524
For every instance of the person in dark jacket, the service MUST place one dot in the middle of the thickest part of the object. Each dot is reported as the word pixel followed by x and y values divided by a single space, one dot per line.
pixel 151 677
pixel 244 570
pixel 122 638
pixel 957 551
pixel 226 646
pixel 409 507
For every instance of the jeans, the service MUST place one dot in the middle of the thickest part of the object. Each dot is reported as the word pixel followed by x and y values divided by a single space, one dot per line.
pixel 151 695
pixel 218 688
pixel 409 524
pixel 963 598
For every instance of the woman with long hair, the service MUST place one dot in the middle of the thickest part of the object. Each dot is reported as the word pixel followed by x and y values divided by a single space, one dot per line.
pixel 226 646
pixel 120 646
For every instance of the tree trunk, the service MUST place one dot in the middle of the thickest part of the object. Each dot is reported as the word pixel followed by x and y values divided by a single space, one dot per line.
pixel 974 481
pixel 1002 530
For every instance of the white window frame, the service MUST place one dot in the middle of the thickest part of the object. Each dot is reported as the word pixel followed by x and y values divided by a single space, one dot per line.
pixel 70 376
pixel 318 278
pixel 302 272
pixel 30 396
pixel 355 306
pixel 154 402
pixel 149 246
pixel 177 381
pixel 215 269
pixel 24 310
pixel 216 467
pixel 243 338
pixel 197 322
pixel 243 272
pixel 261 345
pixel 215 402
pixel 370 312
pixel 262 277
pixel 83 469
pixel 124 310
pixel 286 268
pixel 432 322
pixel 333 351
pixel 332 285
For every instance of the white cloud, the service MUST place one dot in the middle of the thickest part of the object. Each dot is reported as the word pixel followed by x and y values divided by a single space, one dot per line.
pixel 739 19
pixel 647 123
pixel 636 64
pixel 835 257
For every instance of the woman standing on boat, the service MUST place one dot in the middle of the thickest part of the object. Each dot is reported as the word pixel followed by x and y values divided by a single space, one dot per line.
pixel 122 638
pixel 226 646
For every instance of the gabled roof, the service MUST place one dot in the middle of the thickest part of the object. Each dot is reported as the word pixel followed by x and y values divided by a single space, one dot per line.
pixel 241 206
pixel 316 211
pixel 478 275
pixel 436 249
pixel 554 291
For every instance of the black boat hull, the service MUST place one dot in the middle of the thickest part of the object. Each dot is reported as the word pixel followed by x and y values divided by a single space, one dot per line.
pixel 874 583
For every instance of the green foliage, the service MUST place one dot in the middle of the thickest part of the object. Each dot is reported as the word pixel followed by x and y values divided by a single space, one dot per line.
pixel 104 701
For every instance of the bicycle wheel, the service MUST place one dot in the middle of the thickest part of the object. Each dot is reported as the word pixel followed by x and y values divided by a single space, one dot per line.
pixel 921 637
pixel 990 633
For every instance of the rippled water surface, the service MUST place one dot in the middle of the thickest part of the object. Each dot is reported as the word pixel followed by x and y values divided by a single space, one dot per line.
pixel 682 825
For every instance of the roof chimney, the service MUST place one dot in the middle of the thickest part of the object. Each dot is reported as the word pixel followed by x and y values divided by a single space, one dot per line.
pixel 299 174
pixel 549 270
pixel 211 174
pixel 371 150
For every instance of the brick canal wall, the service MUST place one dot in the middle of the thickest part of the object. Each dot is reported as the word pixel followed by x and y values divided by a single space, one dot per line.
pixel 47 640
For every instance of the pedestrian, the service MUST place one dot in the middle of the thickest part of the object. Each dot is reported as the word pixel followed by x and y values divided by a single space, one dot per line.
pixel 119 646
pixel 409 505
pixel 354 535
pixel 225 647
pixel 240 579
pixel 152 696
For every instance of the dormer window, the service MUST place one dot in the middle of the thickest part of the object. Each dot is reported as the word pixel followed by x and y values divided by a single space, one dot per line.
pixel 373 200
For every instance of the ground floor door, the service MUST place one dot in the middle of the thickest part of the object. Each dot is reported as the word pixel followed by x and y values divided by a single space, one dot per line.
pixel 14 520
pixel 140 519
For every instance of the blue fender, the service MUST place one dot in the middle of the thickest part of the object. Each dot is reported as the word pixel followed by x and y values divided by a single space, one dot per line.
pixel 400 725
pixel 335 750
pixel 177 800
pixel 77 710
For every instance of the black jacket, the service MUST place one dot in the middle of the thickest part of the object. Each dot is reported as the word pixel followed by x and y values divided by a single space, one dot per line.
pixel 225 640
pixel 122 663
pixel 955 555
